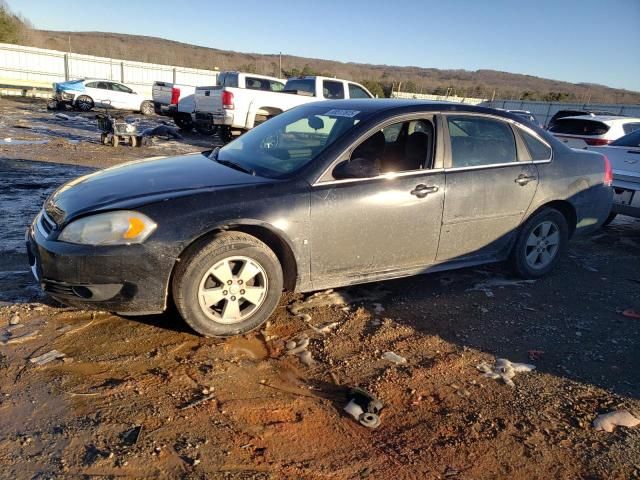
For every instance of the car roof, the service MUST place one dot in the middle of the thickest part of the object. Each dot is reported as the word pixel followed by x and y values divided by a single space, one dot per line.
pixel 602 118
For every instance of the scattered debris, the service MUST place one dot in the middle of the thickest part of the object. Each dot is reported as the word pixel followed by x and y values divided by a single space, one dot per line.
pixel 162 131
pixel 535 354
pixel 61 116
pixel 197 401
pixel 631 313
pixel 131 436
pixel 21 339
pixel 298 347
pixel 14 320
pixel 47 357
pixel 394 357
pixel 378 308
pixel 498 282
pixel 364 407
pixel 619 418
pixel 505 370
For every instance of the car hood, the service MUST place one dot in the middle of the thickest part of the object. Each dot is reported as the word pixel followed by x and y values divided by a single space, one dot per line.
pixel 143 181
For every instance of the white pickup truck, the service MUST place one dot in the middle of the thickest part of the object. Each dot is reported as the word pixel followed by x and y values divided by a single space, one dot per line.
pixel 242 100
pixel 176 101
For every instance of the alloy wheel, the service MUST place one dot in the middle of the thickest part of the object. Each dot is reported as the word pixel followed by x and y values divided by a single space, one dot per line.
pixel 233 289
pixel 542 245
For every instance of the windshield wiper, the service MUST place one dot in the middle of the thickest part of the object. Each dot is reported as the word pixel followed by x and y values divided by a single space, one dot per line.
pixel 228 163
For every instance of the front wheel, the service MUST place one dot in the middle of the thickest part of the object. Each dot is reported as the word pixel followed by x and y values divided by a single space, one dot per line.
pixel 228 286
pixel 541 241
pixel 146 108
pixel 84 103
pixel 610 219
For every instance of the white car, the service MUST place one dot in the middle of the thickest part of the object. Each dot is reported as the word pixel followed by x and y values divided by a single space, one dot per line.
pixel 624 155
pixel 592 130
pixel 86 94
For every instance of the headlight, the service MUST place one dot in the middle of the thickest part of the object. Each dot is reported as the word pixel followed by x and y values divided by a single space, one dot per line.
pixel 113 228
pixel 67 96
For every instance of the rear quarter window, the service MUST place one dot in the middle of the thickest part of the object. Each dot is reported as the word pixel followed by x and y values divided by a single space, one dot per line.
pixel 572 126
pixel 537 149
pixel 302 85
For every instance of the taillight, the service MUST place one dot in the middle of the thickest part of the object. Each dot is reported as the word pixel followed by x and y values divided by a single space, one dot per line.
pixel 597 141
pixel 227 100
pixel 608 172
pixel 175 95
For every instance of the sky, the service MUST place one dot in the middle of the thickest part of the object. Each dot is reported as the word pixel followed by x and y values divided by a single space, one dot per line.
pixel 594 41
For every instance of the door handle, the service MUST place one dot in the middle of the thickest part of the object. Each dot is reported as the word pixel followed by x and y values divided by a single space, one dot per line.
pixel 423 190
pixel 523 179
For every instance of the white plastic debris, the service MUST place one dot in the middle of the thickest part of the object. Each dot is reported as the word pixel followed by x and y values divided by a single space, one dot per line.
pixel 504 369
pixel 394 357
pixel 47 357
pixel 298 347
pixel 611 420
pixel 498 282
pixel 15 320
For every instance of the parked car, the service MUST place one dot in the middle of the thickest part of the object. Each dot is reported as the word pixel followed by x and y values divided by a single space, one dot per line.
pixel 176 101
pixel 593 130
pixel 624 155
pixel 324 195
pixel 86 94
pixel 243 101
pixel 527 115
pixel 574 113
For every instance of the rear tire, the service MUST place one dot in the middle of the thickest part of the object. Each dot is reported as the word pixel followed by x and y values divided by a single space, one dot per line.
pixel 184 122
pixel 204 130
pixel 146 108
pixel 610 219
pixel 541 242
pixel 208 287
pixel 133 141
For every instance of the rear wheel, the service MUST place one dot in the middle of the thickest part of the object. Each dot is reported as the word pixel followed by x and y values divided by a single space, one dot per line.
pixel 84 103
pixel 133 141
pixel 541 241
pixel 146 108
pixel 204 129
pixel 228 286
pixel 184 122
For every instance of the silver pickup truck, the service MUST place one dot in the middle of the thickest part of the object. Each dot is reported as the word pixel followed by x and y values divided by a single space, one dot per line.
pixel 243 100
pixel 624 155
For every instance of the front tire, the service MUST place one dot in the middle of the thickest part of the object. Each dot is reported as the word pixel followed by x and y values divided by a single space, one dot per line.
pixel 541 242
pixel 610 219
pixel 146 108
pixel 227 286
pixel 84 103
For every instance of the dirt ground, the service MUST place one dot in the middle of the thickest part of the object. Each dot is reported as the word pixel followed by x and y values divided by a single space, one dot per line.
pixel 147 398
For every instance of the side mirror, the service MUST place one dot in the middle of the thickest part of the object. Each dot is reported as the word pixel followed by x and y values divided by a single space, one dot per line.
pixel 316 123
pixel 356 168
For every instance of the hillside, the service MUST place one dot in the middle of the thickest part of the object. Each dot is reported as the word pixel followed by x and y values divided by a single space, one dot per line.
pixel 379 78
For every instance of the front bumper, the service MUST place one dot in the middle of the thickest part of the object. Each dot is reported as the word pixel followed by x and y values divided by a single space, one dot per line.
pixel 130 279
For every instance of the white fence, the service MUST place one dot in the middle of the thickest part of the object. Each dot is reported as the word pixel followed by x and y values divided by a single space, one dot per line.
pixel 543 111
pixel 439 98
pixel 36 67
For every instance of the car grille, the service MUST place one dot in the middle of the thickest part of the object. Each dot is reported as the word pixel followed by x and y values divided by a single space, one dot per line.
pixel 45 224
pixel 55 288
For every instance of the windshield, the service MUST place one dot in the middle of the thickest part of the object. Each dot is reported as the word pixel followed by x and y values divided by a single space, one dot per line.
pixel 630 140
pixel 289 141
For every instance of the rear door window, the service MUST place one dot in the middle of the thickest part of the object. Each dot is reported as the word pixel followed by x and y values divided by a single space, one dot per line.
pixel 302 85
pixel 479 141
pixel 276 86
pixel 576 126
pixel 332 90
pixel 356 91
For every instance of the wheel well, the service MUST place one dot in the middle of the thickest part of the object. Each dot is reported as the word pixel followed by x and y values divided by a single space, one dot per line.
pixel 566 209
pixel 265 235
pixel 268 111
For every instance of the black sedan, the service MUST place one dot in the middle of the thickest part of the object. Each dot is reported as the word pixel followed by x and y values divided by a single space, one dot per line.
pixel 325 195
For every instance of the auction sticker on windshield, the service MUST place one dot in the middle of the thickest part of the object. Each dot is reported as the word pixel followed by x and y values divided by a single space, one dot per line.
pixel 342 113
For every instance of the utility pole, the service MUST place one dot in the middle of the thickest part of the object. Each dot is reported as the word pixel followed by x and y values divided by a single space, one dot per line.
pixel 280 56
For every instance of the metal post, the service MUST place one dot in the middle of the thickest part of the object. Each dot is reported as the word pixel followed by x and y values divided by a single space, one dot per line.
pixel 174 75
pixel 280 65
pixel 66 67
pixel 122 72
